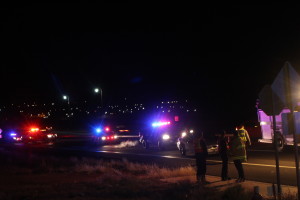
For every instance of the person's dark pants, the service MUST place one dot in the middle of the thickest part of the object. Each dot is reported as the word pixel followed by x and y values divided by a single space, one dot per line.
pixel 224 173
pixel 239 167
pixel 201 165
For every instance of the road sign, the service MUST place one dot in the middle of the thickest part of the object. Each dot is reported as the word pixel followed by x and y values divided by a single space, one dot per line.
pixel 287 86
pixel 269 102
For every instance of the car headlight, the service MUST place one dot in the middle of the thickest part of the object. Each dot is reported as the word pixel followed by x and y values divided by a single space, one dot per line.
pixel 183 134
pixel 166 137
pixel 191 131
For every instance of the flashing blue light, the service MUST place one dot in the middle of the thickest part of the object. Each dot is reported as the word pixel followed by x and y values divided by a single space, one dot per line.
pixel 98 130
pixel 157 124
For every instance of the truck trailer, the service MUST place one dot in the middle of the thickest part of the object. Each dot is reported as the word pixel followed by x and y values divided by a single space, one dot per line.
pixel 284 127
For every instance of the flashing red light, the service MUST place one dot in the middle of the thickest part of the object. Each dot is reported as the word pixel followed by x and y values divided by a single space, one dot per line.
pixel 34 129
pixel 107 129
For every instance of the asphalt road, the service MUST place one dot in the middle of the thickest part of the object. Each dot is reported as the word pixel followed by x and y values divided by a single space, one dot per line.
pixel 260 165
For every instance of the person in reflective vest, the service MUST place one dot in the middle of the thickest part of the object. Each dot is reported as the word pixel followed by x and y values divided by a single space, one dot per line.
pixel 237 152
pixel 243 134
pixel 200 154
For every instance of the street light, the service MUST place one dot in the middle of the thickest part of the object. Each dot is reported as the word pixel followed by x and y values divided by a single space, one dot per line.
pixel 97 90
pixel 65 97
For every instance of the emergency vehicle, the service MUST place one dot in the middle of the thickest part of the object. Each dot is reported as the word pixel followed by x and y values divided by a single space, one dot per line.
pixel 161 134
pixel 104 135
pixel 22 129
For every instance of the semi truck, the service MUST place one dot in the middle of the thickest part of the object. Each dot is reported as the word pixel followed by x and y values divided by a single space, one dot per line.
pixel 284 127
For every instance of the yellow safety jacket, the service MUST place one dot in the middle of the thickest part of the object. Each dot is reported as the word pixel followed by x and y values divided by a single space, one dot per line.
pixel 243 134
pixel 237 149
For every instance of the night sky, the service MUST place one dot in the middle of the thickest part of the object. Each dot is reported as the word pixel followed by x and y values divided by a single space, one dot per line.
pixel 217 56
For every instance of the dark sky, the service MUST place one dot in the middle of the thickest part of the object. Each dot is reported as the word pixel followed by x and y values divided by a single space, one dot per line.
pixel 219 56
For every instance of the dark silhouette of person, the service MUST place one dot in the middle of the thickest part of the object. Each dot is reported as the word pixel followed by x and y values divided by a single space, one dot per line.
pixel 201 155
pixel 223 152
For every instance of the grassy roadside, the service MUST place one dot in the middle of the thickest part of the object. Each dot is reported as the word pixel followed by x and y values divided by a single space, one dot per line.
pixel 29 177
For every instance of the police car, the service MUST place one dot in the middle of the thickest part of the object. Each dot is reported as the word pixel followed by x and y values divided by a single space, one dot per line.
pixel 104 135
pixel 24 129
pixel 161 135
pixel 28 134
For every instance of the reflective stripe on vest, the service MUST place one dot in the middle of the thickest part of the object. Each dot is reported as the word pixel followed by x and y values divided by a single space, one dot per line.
pixel 240 146
pixel 243 158
pixel 242 134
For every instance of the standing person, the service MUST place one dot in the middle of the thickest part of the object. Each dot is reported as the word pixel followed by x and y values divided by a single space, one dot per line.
pixel 200 154
pixel 238 154
pixel 243 134
pixel 223 152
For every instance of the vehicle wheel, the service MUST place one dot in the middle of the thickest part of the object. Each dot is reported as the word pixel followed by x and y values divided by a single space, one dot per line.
pixel 280 142
pixel 182 150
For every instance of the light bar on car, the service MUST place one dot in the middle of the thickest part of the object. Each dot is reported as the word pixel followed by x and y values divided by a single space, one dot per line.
pixel 157 124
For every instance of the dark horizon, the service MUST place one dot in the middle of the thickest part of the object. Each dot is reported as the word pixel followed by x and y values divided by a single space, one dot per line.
pixel 219 57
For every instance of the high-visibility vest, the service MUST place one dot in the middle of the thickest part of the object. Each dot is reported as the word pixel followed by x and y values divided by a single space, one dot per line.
pixel 242 134
pixel 237 149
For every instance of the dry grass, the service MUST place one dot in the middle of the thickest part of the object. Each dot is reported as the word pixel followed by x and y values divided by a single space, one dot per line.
pixel 27 176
